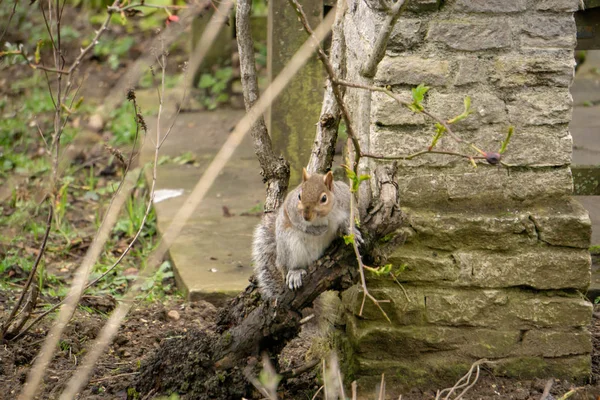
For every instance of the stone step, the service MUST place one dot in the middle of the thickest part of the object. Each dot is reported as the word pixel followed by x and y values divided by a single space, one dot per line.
pixel 212 256
pixel 560 223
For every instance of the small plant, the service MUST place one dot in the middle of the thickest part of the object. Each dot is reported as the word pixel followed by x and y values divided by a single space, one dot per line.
pixel 215 87
pixel 113 50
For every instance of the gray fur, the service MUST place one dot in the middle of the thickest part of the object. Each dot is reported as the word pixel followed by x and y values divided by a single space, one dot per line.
pixel 282 253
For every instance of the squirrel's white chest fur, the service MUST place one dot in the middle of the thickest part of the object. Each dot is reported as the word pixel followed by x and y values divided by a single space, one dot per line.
pixel 304 249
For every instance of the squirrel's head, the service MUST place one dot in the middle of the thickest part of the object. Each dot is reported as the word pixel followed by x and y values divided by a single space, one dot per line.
pixel 315 196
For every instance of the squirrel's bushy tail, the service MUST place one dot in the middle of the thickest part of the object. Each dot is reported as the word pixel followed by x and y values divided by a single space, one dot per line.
pixel 264 255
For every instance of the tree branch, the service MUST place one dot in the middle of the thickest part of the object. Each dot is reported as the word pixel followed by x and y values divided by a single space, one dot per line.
pixel 275 170
pixel 335 87
pixel 369 69
pixel 323 149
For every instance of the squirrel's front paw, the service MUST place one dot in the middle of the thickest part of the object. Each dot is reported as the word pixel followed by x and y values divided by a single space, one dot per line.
pixel 294 278
pixel 358 237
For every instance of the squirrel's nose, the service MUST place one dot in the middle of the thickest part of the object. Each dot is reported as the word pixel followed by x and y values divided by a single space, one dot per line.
pixel 307 216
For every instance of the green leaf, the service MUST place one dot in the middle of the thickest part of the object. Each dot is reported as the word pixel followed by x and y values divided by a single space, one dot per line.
pixel 349 239
pixel 438 135
pixel 206 81
pixel 38 49
pixel 511 129
pixel 465 113
pixel 418 94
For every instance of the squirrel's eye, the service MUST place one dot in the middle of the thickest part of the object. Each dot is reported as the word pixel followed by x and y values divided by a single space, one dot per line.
pixel 324 198
pixel 299 196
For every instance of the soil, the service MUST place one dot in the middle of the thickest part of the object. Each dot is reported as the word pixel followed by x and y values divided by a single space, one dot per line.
pixel 153 326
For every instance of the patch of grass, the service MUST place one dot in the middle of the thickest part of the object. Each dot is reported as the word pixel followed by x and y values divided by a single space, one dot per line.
pixel 122 125
pixel 215 87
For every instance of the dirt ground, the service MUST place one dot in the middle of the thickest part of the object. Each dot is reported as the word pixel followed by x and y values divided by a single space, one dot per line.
pixel 151 325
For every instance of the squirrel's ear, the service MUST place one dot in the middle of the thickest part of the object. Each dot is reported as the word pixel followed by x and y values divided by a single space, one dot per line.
pixel 328 179
pixel 305 175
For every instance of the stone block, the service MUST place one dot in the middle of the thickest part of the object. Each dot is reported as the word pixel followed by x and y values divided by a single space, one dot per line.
pixel 413 70
pixel 541 107
pixel 576 368
pixel 382 341
pixel 506 309
pixel 544 343
pixel 539 268
pixel 472 34
pixel 418 6
pixel 489 6
pixel 486 108
pixel 557 5
pixel 537 146
pixel 422 264
pixel 467 230
pixel 566 224
pixel 532 70
pixel 435 371
pixel 387 111
pixel 408 33
pixel 472 70
pixel 486 186
pixel 548 31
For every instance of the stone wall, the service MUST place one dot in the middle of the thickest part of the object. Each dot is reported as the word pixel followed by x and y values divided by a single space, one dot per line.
pixel 496 259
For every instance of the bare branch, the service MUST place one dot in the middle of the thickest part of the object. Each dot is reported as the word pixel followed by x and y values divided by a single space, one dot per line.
pixel 369 69
pixel 275 170
pixel 210 175
pixel 31 276
pixel 337 92
pixel 323 149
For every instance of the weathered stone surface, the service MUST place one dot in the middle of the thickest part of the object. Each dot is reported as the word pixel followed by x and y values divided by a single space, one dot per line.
pixel 532 70
pixel 387 342
pixel 433 371
pixel 424 5
pixel 486 108
pixel 408 33
pixel 556 344
pixel 505 309
pixel 489 6
pixel 564 225
pixel 539 268
pixel 557 5
pixel 472 34
pixel 468 230
pixel 541 107
pixel 538 146
pixel 549 31
pixel 382 341
pixel 424 265
pixel 403 309
pixel 387 111
pixel 472 70
pixel 466 307
pixel 576 368
pixel 413 70
pixel 422 186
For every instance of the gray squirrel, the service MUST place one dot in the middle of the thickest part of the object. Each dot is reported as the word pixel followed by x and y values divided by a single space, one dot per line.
pixel 288 240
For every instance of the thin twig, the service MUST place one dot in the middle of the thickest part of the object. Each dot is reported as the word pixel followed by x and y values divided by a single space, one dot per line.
pixel 334 82
pixel 369 69
pixel 32 274
pixel 37 371
pixel 10 17
pixel 107 378
pixel 275 169
pixel 547 388
pixel 80 377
